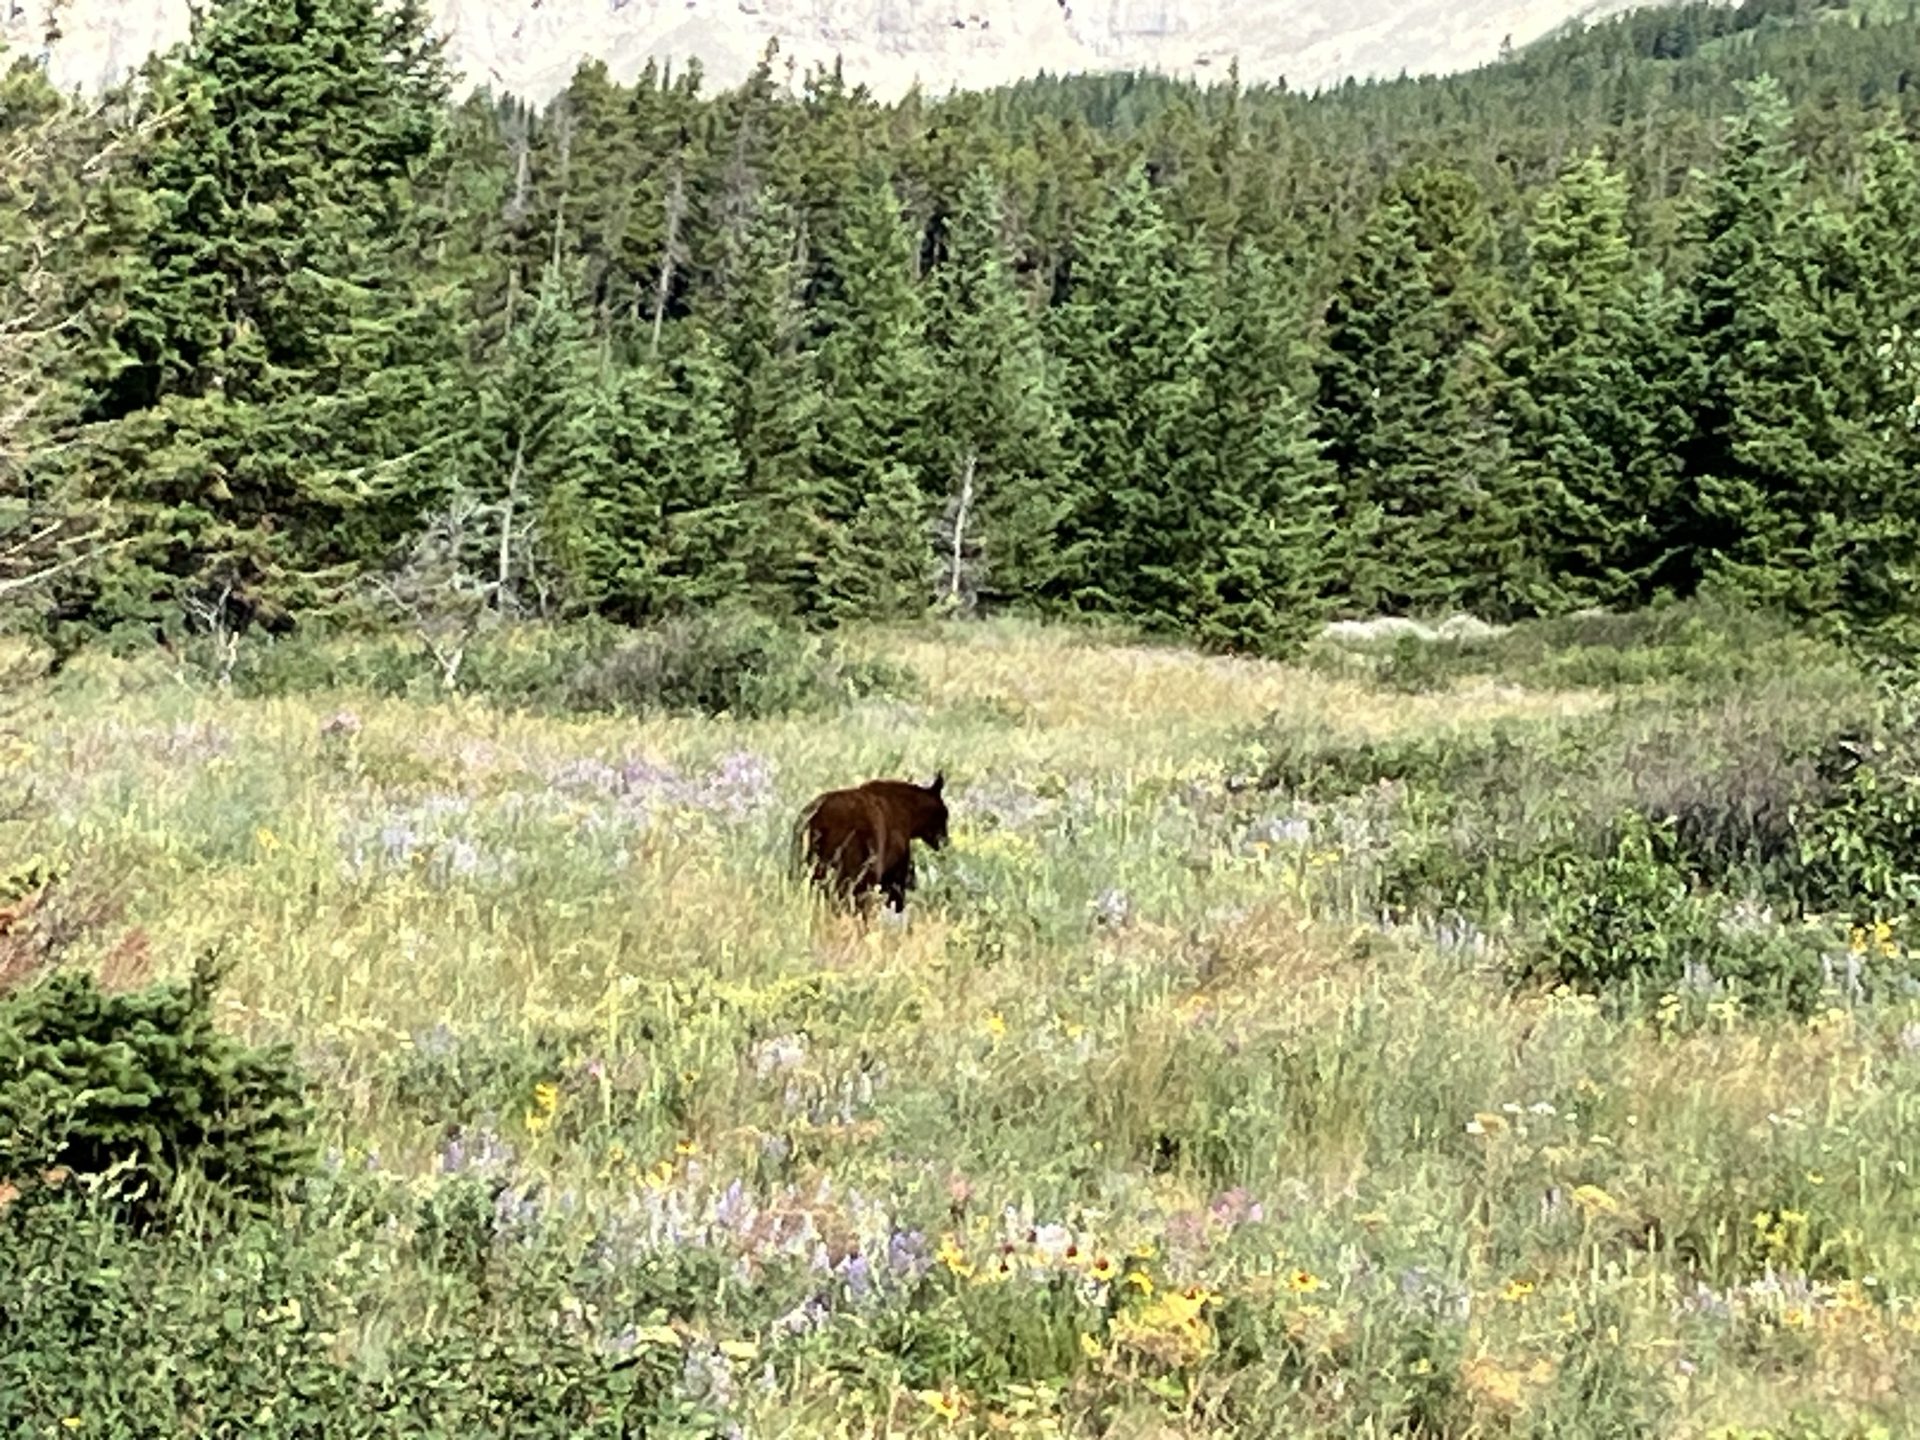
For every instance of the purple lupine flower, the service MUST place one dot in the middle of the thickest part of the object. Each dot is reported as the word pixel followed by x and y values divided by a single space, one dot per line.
pixel 907 1255
pixel 857 1275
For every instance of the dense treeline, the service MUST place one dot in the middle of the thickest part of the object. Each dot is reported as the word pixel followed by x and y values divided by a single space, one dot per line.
pixel 1630 313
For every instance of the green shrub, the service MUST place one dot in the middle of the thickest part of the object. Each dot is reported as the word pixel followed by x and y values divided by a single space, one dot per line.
pixel 143 1085
pixel 726 662
pixel 252 1333
pixel 1700 645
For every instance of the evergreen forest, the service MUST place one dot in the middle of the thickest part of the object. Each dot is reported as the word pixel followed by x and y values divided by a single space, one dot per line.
pixel 290 326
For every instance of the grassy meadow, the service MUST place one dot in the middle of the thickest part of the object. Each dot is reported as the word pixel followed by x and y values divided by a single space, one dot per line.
pixel 1270 1053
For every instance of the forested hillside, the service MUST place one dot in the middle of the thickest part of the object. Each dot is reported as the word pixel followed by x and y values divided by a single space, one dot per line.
pixel 284 329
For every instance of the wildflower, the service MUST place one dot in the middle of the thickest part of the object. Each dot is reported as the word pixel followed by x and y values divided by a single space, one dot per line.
pixel 1304 1282
pixel 1140 1281
pixel 685 1147
pixel 266 839
pixel 996 1025
pixel 953 1257
pixel 1102 1269
pixel 1090 1347
pixel 1593 1199
pixel 546 1099
pixel 1795 1317
pixel 943 1404
pixel 1517 1290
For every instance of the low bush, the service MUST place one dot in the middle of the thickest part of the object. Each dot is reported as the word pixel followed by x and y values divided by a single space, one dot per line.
pixel 727 662
pixel 722 662
pixel 1699 644
pixel 144 1088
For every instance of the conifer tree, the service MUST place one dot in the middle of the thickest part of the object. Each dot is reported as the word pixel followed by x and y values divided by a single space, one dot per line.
pixel 272 353
pixel 1406 408
pixel 1589 413
pixel 1258 525
pixel 996 427
pixel 664 520
pixel 1771 463
pixel 1129 337
pixel 758 323
pixel 876 381
pixel 532 437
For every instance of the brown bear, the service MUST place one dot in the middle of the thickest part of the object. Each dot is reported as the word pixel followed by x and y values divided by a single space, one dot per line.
pixel 860 840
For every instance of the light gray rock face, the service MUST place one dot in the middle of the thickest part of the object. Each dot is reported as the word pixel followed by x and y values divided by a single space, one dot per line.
pixel 531 47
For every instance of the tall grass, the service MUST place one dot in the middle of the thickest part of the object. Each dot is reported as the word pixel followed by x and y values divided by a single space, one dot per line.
pixel 622 1125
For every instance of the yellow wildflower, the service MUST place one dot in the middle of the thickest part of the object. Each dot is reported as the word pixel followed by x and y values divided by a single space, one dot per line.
pixel 1139 1281
pixel 996 1025
pixel 546 1100
pixel 1593 1199
pixel 953 1257
pixel 1090 1347
pixel 685 1147
pixel 1517 1290
pixel 947 1406
pixel 266 839
pixel 1102 1269
pixel 1304 1282
pixel 1795 1317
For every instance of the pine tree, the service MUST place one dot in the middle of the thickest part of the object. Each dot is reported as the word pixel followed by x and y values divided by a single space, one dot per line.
pixel 995 418
pixel 272 354
pixel 1129 338
pixel 876 379
pixel 1588 412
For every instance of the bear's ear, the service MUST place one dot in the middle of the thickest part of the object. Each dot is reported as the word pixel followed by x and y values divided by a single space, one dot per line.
pixel 939 779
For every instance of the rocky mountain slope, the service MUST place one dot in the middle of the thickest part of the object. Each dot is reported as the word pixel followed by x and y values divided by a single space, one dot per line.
pixel 530 47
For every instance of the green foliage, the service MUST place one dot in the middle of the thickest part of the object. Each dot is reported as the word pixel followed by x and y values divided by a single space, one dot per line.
pixel 996 421
pixel 127 1337
pixel 267 346
pixel 724 662
pixel 141 1088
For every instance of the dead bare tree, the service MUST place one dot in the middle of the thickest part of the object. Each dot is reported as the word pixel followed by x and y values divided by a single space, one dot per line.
pixel 436 591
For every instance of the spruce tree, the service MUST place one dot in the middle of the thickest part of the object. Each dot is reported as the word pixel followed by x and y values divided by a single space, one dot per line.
pixel 1427 508
pixel 1129 336
pixel 664 522
pixel 1771 464
pixel 531 442
pixel 272 356
pixel 1589 412
pixel 996 426
pixel 1258 524
pixel 876 380
pixel 754 312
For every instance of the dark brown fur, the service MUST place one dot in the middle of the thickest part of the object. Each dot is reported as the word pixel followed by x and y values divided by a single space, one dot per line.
pixel 859 841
